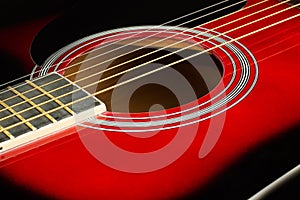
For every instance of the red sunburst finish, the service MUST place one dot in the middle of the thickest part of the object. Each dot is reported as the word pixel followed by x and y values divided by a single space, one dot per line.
pixel 65 168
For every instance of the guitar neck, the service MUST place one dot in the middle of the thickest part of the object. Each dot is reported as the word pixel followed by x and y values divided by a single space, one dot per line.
pixel 34 109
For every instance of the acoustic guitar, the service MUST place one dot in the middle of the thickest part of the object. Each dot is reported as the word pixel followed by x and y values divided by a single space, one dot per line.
pixel 200 101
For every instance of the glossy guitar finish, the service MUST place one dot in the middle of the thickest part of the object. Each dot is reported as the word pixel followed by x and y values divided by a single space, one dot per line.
pixel 267 105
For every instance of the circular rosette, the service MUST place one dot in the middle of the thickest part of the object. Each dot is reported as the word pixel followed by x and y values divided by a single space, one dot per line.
pixel 163 87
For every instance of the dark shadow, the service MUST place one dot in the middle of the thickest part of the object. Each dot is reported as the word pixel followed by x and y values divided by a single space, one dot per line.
pixel 11 68
pixel 14 191
pixel 14 12
pixel 86 17
pixel 257 169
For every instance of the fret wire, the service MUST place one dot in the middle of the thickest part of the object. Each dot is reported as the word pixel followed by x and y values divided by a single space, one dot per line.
pixel 33 104
pixel 50 96
pixel 17 115
pixel 6 132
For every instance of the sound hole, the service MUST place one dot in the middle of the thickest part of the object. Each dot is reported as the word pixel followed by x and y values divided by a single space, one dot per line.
pixel 137 77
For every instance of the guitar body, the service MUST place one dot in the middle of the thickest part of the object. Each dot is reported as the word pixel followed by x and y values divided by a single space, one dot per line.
pixel 171 151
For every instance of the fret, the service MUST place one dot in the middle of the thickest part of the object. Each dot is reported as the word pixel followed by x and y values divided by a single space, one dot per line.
pixel 17 115
pixel 6 132
pixel 50 96
pixel 33 104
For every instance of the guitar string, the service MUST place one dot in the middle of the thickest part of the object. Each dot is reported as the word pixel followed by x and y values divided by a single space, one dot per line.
pixel 143 39
pixel 99 55
pixel 172 44
pixel 196 54
pixel 151 72
pixel 42 95
pixel 130 60
pixel 108 77
pixel 157 50
pixel 168 22
pixel 62 78
pixel 144 63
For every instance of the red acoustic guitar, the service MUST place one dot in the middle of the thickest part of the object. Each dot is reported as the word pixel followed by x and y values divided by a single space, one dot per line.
pixel 204 105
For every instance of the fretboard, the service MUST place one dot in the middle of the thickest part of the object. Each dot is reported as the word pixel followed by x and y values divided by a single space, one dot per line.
pixel 40 107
